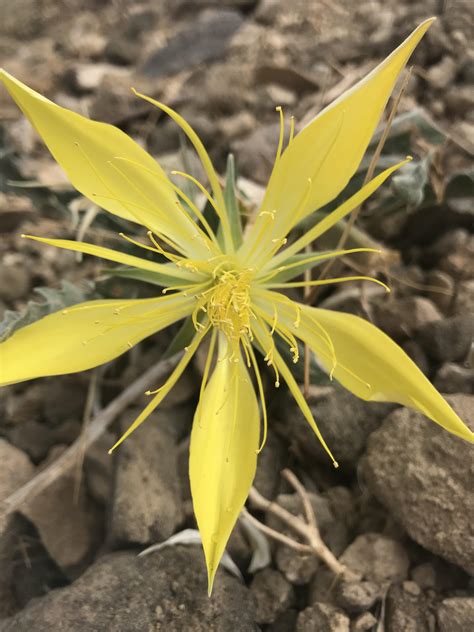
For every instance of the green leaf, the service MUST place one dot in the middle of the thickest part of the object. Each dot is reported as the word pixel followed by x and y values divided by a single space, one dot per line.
pixel 409 184
pixel 55 299
pixel 231 203
pixel 182 339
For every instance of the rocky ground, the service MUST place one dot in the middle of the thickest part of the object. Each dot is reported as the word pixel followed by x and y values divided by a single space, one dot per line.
pixel 399 511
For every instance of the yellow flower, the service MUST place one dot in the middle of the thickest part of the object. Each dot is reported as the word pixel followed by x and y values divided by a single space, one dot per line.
pixel 225 283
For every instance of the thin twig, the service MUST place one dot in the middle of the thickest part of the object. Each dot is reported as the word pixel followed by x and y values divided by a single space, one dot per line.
pixel 303 494
pixel 368 176
pixel 95 429
pixel 262 503
pixel 86 419
pixel 276 535
pixel 308 531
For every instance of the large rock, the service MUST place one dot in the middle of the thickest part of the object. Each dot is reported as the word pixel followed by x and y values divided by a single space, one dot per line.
pixel 66 521
pixel 322 616
pixel 14 282
pixel 345 422
pixel 448 340
pixel 15 470
pixel 146 500
pixel 456 614
pixel 401 318
pixel 256 152
pixel 423 475
pixel 377 558
pixel 454 378
pixel 356 597
pixel 166 590
pixel 33 438
pixel 407 609
pixel 272 593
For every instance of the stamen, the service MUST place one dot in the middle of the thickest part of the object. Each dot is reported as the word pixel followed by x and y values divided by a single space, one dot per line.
pixel 301 207
pixel 173 288
pixel 283 332
pixel 339 213
pixel 197 212
pixel 179 192
pixel 270 351
pixel 275 319
pixel 196 142
pixel 279 109
pixel 207 367
pixel 264 226
pixel 295 391
pixel 165 389
pixel 273 297
pixel 315 259
pixel 292 220
pixel 331 354
pixel 173 258
pixel 292 129
pixel 219 212
pixel 329 281
pixel 261 392
pixel 147 199
pixel 125 204
pixel 137 243
pixel 245 345
pixel 105 185
pixel 298 316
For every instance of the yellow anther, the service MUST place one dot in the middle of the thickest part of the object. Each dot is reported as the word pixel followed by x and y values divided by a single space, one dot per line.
pixel 271 214
pixel 228 305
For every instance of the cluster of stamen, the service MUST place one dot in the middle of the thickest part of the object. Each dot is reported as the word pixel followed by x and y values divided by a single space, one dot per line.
pixel 228 307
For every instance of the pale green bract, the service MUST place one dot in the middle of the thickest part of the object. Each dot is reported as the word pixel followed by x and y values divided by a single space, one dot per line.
pixel 224 284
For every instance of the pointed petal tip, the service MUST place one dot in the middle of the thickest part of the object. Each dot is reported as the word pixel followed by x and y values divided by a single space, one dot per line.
pixel 468 436
pixel 421 29
pixel 212 564
pixel 210 581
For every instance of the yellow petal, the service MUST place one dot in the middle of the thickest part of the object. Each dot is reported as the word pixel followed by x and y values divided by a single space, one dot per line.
pixel 371 365
pixel 197 144
pixel 223 454
pixel 118 257
pixel 333 218
pixel 85 335
pixel 85 149
pixel 322 158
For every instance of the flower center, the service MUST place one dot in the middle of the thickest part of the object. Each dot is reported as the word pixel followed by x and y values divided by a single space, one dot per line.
pixel 228 305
